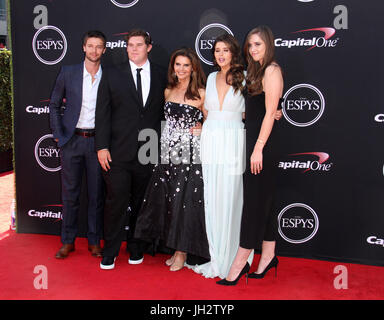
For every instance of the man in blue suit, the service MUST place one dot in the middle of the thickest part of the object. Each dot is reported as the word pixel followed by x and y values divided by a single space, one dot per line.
pixel 73 128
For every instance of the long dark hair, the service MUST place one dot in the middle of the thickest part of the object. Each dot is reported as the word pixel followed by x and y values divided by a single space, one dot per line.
pixel 235 74
pixel 198 78
pixel 255 70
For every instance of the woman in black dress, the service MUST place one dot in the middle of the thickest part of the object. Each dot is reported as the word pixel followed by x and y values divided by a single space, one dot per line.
pixel 173 209
pixel 259 221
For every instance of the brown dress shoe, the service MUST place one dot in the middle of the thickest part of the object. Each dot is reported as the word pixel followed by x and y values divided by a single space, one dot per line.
pixel 95 250
pixel 64 251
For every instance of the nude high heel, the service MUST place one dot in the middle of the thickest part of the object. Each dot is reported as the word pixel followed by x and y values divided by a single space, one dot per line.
pixel 178 264
pixel 170 261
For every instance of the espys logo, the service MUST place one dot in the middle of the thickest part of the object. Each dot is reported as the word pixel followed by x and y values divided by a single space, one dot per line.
pixel 379 117
pixel 298 223
pixel 324 41
pixel 49 45
pixel 124 4
pixel 205 40
pixel 47 154
pixel 309 165
pixel 303 105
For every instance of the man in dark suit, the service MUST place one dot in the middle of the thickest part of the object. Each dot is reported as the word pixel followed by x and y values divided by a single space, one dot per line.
pixel 130 99
pixel 74 129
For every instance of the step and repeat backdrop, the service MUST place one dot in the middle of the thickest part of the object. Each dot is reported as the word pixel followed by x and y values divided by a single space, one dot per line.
pixel 330 202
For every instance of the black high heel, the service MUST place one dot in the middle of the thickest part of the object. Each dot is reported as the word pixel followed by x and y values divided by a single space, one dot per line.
pixel 274 262
pixel 245 271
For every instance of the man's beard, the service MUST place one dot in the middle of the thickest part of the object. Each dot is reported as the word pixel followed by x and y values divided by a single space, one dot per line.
pixel 93 59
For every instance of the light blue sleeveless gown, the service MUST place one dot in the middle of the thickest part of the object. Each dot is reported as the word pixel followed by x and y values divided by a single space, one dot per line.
pixel 223 163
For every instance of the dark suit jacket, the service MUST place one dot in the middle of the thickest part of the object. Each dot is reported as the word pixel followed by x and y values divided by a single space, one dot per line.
pixel 119 116
pixel 69 85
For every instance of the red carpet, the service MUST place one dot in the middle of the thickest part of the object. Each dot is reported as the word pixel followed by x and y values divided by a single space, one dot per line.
pixel 79 276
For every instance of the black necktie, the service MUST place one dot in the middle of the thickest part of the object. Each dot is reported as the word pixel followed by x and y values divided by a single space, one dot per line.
pixel 138 84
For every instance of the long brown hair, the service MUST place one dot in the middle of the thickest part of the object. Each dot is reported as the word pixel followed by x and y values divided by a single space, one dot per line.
pixel 198 78
pixel 235 74
pixel 255 70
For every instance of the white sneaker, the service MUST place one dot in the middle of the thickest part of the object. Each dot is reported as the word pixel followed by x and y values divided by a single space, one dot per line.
pixel 108 263
pixel 134 260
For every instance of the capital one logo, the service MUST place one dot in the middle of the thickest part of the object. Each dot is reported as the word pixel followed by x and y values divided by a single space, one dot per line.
pixel 298 223
pixel 303 105
pixel 49 45
pixel 43 108
pixel 124 4
pixel 205 40
pixel 47 154
pixel 53 211
pixel 323 41
pixel 319 164
pixel 117 44
pixel 37 109
pixel 375 240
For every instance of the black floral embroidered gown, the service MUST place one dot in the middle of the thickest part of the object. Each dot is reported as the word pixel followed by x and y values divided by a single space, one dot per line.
pixel 173 208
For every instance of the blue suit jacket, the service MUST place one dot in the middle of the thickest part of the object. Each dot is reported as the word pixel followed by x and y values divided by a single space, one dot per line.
pixel 69 85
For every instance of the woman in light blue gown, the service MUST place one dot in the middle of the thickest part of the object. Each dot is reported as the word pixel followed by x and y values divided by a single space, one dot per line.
pixel 222 154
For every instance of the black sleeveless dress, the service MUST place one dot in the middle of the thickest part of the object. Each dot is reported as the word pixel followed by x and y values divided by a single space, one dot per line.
pixel 172 213
pixel 259 218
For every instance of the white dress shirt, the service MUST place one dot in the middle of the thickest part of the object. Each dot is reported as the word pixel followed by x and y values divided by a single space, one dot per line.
pixel 88 107
pixel 145 78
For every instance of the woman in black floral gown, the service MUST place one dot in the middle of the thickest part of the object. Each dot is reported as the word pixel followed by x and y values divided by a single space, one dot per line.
pixel 173 207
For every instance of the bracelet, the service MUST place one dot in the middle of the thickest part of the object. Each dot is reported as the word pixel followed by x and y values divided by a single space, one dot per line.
pixel 260 141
